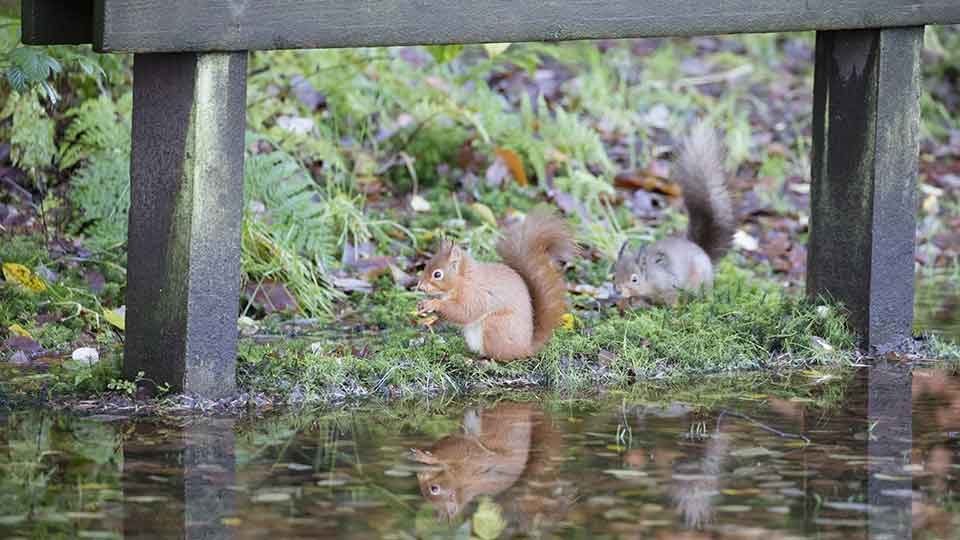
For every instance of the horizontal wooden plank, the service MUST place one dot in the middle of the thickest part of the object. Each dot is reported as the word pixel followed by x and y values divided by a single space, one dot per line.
pixel 57 22
pixel 219 25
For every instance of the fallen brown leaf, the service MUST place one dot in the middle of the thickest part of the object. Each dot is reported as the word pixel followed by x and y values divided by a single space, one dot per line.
pixel 646 181
pixel 514 164
pixel 271 296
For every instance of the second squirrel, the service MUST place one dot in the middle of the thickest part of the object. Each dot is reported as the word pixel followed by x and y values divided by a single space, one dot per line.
pixel 656 273
pixel 507 310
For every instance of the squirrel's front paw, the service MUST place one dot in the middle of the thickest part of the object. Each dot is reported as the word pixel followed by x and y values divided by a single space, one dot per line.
pixel 428 306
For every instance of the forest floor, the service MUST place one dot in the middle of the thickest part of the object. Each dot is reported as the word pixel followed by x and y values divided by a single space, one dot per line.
pixel 360 161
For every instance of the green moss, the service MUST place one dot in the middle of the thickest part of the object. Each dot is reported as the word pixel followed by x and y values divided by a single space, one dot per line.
pixel 16 304
pixel 744 324
pixel 943 348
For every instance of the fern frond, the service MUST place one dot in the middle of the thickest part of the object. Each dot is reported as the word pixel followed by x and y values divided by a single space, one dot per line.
pixel 96 125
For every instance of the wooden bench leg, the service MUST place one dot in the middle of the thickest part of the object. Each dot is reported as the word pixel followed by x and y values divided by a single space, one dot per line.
pixel 186 198
pixel 866 119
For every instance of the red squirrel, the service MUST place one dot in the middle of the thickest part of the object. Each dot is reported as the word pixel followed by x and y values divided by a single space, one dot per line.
pixel 656 273
pixel 507 310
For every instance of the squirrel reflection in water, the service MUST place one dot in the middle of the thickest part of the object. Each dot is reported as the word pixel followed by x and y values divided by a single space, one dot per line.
pixel 696 483
pixel 693 468
pixel 508 452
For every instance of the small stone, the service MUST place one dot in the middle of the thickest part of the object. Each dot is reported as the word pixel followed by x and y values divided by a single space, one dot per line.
pixel 745 242
pixel 820 343
pixel 87 356
pixel 419 204
pixel 295 124
pixel 247 326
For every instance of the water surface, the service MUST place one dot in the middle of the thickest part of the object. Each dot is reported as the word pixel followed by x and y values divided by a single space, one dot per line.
pixel 937 302
pixel 871 455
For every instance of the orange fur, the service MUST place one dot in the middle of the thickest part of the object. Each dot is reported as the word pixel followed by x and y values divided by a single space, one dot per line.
pixel 529 248
pixel 508 310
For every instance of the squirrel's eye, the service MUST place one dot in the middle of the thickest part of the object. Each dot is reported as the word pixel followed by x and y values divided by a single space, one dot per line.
pixel 434 489
pixel 438 274
pixel 635 278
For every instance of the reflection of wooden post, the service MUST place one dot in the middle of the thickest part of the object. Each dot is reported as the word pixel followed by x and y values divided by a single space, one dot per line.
pixel 890 443
pixel 209 462
pixel 866 125
pixel 200 491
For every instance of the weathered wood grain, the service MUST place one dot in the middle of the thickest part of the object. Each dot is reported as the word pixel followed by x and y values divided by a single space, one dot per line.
pixel 186 198
pixel 57 22
pixel 866 120
pixel 218 25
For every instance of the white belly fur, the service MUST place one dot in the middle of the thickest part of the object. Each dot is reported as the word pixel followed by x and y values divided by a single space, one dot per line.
pixel 473 334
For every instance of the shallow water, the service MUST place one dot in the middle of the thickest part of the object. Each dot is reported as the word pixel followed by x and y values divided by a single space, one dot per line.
pixel 937 302
pixel 871 455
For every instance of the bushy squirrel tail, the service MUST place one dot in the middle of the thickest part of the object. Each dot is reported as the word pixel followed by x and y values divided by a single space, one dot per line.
pixel 705 193
pixel 529 248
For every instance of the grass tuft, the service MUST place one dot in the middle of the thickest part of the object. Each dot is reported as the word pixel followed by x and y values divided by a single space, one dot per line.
pixel 743 324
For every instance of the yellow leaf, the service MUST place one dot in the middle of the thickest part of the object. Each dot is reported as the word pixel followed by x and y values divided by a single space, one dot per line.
pixel 20 331
pixel 735 492
pixel 881 476
pixel 484 213
pixel 493 49
pixel 515 164
pixel 488 522
pixel 428 321
pixel 116 317
pixel 19 273
pixel 568 321
pixel 426 236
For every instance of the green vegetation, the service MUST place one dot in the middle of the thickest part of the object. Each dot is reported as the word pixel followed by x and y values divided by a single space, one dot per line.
pixel 359 161
pixel 745 324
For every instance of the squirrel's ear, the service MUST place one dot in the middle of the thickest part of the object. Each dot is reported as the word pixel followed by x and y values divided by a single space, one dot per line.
pixel 456 255
pixel 623 248
pixel 641 253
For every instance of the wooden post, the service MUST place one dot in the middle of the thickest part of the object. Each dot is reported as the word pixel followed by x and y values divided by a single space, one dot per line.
pixel 185 213
pixel 865 151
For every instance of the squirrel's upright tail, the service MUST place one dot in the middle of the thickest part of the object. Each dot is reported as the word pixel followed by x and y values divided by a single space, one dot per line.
pixel 705 193
pixel 529 249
